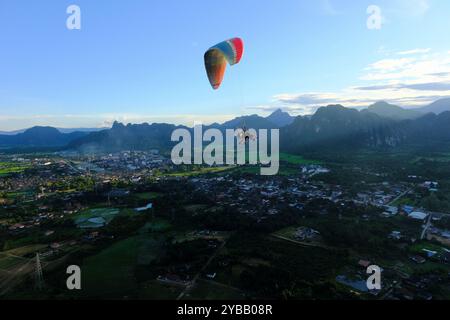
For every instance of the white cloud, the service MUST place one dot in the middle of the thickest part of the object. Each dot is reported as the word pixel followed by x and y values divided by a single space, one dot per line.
pixel 414 51
pixel 419 67
pixel 412 81
pixel 329 9
pixel 409 8
pixel 386 65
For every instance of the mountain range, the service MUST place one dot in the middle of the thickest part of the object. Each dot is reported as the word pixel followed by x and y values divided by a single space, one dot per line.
pixel 380 125
pixel 62 130
pixel 337 127
pixel 436 107
pixel 40 137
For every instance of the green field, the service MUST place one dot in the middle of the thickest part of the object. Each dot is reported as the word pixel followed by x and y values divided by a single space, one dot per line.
pixel 7 168
pixel 22 251
pixel 106 213
pixel 156 225
pixel 199 172
pixel 21 242
pixel 111 272
pixel 438 156
pixel 404 201
pixel 19 194
pixel 287 232
pixel 256 170
pixel 296 160
pixel 147 195
pixel 210 290
pixel 155 290
pixel 419 247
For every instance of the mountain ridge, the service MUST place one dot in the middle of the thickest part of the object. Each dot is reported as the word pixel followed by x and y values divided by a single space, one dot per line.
pixel 40 136
pixel 380 125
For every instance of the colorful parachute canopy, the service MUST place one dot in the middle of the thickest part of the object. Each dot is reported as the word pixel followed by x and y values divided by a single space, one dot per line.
pixel 216 59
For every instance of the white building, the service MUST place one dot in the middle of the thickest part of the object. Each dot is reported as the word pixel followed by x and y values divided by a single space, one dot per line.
pixel 418 215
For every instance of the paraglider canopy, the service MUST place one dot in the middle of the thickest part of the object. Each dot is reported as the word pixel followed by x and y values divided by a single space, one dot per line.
pixel 216 59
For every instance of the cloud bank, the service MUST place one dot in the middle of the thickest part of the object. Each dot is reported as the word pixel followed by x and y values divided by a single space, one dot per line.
pixel 410 78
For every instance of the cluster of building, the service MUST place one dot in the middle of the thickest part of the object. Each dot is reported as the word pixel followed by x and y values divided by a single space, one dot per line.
pixel 128 161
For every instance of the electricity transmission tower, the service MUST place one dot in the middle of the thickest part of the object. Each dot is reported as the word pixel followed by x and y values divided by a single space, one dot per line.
pixel 39 278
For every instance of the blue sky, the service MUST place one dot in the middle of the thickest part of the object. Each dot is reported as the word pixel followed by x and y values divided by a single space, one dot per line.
pixel 142 61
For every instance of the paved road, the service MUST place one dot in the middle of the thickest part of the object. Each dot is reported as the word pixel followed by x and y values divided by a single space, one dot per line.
pixel 427 225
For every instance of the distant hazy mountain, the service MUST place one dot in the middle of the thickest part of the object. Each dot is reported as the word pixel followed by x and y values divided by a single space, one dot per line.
pixel 437 107
pixel 70 130
pixel 127 137
pixel 11 133
pixel 253 121
pixel 379 126
pixel 62 130
pixel 39 137
pixel 339 127
pixel 334 126
pixel 386 110
pixel 277 119
pixel 157 136
pixel 280 118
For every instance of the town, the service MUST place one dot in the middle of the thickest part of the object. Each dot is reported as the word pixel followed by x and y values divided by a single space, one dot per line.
pixel 141 227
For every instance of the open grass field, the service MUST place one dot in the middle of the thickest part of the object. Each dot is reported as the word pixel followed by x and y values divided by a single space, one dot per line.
pixel 438 156
pixel 287 232
pixel 199 172
pixel 419 247
pixel 21 242
pixel 404 201
pixel 210 290
pixel 18 195
pixel 147 195
pixel 296 160
pixel 7 168
pixel 25 250
pixel 256 170
pixel 156 225
pixel 155 290
pixel 111 272
pixel 106 213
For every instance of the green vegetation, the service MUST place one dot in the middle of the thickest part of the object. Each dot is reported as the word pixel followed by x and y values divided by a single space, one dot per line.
pixel 110 272
pixel 157 225
pixel 198 171
pixel 147 195
pixel 297 160
pixel 210 290
pixel 7 168
pixel 155 290
pixel 107 214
